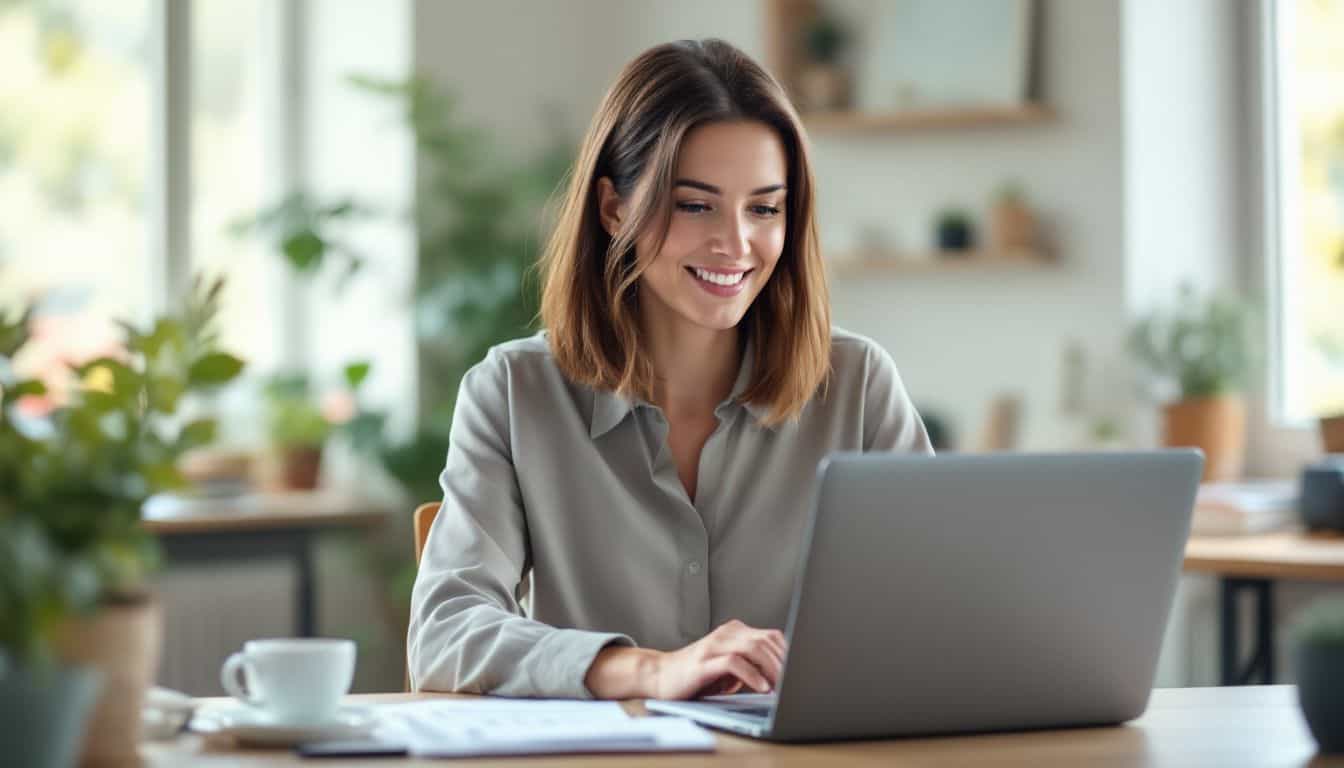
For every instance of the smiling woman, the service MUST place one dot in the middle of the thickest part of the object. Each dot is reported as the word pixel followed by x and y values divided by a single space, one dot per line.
pixel 639 471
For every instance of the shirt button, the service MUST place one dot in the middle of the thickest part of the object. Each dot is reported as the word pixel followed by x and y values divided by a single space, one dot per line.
pixel 693 567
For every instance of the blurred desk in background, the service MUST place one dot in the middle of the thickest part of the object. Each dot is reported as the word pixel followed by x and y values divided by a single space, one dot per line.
pixel 1252 564
pixel 258 526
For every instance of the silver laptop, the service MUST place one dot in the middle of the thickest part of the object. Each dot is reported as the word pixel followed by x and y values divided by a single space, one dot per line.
pixel 980 593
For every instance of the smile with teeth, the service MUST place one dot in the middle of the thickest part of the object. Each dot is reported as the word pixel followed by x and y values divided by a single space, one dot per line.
pixel 719 278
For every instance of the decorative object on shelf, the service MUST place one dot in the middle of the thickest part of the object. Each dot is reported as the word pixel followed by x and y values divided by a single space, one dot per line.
pixel 824 82
pixel 1012 223
pixel 75 604
pixel 955 231
pixel 1318 664
pixel 1322 495
pixel 1200 355
pixel 1332 433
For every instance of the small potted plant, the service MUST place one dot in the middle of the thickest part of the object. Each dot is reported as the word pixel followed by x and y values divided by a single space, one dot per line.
pixel 1201 354
pixel 955 232
pixel 75 472
pixel 1012 222
pixel 824 83
pixel 1318 661
pixel 299 425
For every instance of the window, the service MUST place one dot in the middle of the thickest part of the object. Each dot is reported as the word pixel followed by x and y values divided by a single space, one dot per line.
pixel 93 122
pixel 75 91
pixel 1305 169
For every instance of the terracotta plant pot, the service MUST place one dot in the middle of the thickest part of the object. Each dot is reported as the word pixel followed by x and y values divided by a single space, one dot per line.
pixel 300 466
pixel 1332 433
pixel 122 642
pixel 1014 227
pixel 1215 425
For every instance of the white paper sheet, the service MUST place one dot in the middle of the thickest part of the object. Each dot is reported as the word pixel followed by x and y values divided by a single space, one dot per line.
pixel 472 727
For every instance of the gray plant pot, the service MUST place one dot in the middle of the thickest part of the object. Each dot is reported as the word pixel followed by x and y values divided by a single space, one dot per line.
pixel 1320 691
pixel 42 714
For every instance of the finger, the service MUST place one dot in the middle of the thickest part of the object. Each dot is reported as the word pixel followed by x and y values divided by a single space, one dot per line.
pixel 776 640
pixel 744 670
pixel 757 650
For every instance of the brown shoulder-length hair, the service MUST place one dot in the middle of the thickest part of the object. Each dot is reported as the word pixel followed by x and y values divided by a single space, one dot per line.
pixel 589 304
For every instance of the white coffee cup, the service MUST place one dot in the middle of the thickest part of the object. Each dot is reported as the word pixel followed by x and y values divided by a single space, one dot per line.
pixel 298 680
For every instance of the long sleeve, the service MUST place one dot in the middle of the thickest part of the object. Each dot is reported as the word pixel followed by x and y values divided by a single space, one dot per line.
pixel 467 628
pixel 890 422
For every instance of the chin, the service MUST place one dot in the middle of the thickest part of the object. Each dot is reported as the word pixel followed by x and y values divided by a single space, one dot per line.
pixel 717 319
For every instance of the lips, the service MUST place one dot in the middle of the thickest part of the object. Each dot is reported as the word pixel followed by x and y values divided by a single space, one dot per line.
pixel 720 282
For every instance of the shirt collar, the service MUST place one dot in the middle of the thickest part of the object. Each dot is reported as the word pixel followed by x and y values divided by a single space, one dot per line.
pixel 611 408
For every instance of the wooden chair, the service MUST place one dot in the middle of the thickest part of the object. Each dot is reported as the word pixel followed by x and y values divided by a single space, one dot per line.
pixel 421 519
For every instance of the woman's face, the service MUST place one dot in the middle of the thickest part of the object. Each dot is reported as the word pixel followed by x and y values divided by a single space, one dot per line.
pixel 727 228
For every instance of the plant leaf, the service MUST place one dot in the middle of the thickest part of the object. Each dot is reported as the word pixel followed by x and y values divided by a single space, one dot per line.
pixel 304 250
pixel 214 369
pixel 355 373
pixel 196 434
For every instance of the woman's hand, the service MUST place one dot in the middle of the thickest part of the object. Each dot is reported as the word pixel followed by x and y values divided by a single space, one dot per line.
pixel 732 657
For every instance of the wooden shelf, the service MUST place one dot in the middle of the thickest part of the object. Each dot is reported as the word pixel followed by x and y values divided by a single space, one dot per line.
pixel 971 261
pixel 926 119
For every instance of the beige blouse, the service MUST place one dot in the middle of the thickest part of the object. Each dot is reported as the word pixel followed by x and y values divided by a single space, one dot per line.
pixel 569 497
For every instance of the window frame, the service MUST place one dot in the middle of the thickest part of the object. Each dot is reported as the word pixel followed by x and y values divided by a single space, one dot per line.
pixel 170 175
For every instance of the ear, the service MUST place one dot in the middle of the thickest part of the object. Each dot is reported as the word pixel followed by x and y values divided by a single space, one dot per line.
pixel 610 208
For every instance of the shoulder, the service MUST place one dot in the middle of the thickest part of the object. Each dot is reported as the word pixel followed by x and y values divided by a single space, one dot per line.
pixel 519 370
pixel 509 359
pixel 857 356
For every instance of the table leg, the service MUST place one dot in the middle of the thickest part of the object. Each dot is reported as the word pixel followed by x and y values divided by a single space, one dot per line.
pixel 1260 667
pixel 305 611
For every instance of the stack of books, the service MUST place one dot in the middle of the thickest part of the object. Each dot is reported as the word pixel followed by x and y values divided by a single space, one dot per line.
pixel 1232 509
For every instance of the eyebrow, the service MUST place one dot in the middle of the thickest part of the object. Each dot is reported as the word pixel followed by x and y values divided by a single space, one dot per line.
pixel 710 188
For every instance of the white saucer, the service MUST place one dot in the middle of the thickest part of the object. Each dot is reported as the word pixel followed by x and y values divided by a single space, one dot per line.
pixel 251 726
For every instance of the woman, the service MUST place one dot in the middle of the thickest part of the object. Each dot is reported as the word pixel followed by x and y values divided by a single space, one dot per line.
pixel 641 471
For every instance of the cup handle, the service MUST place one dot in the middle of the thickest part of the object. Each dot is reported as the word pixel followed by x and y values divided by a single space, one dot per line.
pixel 228 677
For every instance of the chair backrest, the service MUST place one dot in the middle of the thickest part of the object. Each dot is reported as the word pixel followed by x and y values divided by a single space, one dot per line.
pixel 423 519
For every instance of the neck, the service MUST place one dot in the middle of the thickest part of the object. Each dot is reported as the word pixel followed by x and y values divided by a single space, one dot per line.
pixel 694 367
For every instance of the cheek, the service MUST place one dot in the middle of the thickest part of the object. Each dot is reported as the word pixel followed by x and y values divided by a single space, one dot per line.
pixel 770 243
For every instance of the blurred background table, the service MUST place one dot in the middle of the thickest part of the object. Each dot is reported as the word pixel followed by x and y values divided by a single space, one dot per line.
pixel 1252 564
pixel 258 526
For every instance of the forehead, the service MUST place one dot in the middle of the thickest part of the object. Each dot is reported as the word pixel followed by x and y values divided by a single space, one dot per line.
pixel 733 156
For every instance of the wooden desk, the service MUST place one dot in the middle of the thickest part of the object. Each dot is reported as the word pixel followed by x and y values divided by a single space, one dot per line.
pixel 1183 727
pixel 263 526
pixel 1252 564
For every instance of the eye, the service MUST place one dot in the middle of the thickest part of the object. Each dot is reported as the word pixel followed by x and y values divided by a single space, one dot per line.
pixel 692 207
pixel 765 210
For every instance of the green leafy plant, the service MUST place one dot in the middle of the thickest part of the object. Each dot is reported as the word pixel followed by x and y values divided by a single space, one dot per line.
pixel 1321 624
pixel 1204 347
pixel 825 39
pixel 74 479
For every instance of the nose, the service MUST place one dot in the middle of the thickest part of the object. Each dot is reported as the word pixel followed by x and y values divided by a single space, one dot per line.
pixel 734 240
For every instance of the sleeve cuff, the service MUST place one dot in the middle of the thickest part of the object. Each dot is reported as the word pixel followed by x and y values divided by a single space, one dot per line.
pixel 569 653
